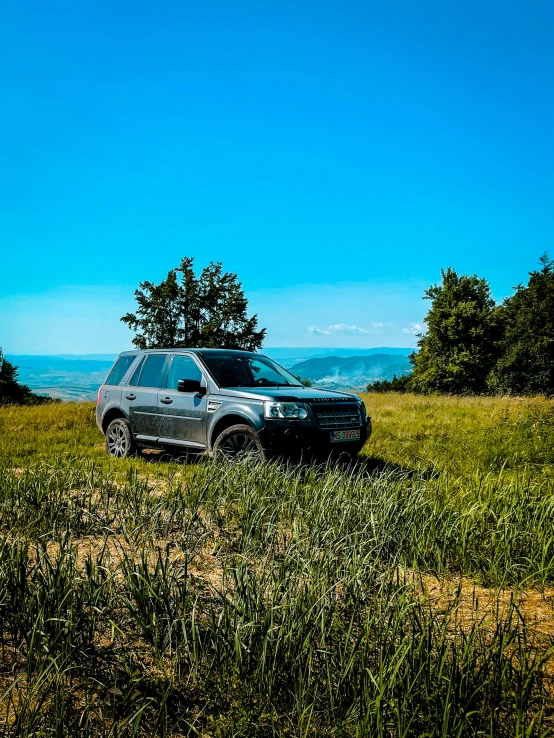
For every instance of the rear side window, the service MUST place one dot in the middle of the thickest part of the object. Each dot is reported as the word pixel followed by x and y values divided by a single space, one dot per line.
pixel 182 367
pixel 120 369
pixel 153 374
pixel 136 373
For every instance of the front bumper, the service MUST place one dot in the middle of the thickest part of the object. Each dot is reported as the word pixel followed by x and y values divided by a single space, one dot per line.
pixel 292 436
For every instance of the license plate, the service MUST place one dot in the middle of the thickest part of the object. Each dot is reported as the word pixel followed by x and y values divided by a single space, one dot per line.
pixel 345 435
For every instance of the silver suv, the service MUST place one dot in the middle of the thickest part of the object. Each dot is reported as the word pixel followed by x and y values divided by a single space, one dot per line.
pixel 222 402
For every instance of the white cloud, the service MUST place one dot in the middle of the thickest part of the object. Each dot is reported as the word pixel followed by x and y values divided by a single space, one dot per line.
pixel 319 331
pixel 413 329
pixel 351 330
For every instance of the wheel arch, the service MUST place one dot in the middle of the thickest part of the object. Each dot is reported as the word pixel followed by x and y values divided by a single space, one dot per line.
pixel 112 414
pixel 226 422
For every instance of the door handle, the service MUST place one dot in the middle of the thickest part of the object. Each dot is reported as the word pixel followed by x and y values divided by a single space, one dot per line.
pixel 166 400
pixel 131 397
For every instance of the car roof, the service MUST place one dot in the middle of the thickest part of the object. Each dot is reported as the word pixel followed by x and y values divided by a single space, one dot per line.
pixel 213 351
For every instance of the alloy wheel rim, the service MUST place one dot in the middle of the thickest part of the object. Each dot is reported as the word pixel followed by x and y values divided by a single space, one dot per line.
pixel 239 444
pixel 117 441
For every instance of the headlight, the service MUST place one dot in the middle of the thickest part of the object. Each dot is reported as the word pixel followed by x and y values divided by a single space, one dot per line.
pixel 288 410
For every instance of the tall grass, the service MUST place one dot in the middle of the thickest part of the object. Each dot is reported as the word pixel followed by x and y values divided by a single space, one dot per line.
pixel 158 599
pixel 248 601
pixel 464 435
pixel 50 430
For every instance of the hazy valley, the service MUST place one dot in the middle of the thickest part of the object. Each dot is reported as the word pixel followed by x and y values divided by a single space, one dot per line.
pixel 354 372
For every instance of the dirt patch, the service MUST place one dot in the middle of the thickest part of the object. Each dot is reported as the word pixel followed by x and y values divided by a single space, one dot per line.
pixel 468 605
pixel 476 603
pixel 114 551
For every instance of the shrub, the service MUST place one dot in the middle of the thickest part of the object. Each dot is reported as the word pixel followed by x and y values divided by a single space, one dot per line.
pixel 396 384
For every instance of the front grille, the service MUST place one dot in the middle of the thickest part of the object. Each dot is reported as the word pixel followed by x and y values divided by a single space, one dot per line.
pixel 347 416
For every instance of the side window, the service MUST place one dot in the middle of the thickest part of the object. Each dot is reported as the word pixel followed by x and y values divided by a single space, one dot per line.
pixel 136 373
pixel 182 367
pixel 119 370
pixel 152 374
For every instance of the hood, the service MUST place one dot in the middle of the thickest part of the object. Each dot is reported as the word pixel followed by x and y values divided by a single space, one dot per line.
pixel 302 394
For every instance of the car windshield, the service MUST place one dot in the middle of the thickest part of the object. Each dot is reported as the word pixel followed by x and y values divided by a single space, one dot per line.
pixel 234 370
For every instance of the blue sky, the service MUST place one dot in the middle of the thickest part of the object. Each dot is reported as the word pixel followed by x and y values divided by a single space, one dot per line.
pixel 335 155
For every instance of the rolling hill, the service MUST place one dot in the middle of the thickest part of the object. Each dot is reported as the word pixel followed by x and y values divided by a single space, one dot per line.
pixel 288 357
pixel 351 371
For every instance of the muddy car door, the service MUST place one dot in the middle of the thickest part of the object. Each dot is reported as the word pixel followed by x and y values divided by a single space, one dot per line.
pixel 182 414
pixel 140 399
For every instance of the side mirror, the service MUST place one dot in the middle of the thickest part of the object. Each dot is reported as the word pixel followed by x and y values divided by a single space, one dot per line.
pixel 191 385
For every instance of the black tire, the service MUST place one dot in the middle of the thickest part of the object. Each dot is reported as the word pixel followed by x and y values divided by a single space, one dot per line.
pixel 238 441
pixel 119 439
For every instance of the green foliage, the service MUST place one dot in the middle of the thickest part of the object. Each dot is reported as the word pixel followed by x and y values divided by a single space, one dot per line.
pixel 9 386
pixel 473 346
pixel 208 311
pixel 396 384
pixel 461 344
pixel 11 392
pixel 305 382
pixel 526 363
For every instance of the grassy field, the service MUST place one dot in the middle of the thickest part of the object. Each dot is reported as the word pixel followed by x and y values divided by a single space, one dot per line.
pixel 408 595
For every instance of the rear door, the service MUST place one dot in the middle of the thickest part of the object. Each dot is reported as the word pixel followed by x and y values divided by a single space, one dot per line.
pixel 182 415
pixel 141 396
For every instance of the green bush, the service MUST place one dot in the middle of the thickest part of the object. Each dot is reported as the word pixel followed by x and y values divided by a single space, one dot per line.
pixel 396 384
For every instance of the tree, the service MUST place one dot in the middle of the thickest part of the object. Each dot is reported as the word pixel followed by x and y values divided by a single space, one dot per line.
pixel 461 344
pixel 184 310
pixel 10 389
pixel 526 363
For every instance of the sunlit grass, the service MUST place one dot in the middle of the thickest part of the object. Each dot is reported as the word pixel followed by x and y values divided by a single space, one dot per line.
pixel 46 431
pixel 463 435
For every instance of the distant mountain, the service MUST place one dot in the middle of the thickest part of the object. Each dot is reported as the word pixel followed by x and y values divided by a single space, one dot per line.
pixel 288 357
pixel 353 371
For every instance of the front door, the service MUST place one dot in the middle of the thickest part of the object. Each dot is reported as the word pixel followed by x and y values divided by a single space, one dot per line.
pixel 141 397
pixel 182 415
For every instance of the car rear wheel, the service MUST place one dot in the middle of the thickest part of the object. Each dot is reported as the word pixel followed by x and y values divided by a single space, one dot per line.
pixel 119 439
pixel 239 441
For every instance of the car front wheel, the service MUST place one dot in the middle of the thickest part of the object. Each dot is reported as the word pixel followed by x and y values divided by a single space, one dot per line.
pixel 238 441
